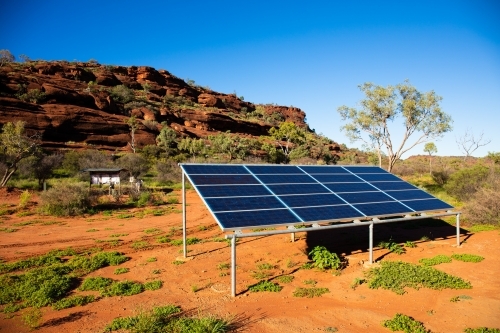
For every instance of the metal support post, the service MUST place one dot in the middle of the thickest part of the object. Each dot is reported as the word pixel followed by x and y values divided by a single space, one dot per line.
pixel 292 235
pixel 458 229
pixel 233 266
pixel 371 243
pixel 184 214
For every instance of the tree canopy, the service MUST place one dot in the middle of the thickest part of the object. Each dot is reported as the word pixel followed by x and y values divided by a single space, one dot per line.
pixel 15 146
pixel 420 112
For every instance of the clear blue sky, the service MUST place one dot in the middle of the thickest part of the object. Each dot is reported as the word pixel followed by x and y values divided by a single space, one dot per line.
pixel 309 54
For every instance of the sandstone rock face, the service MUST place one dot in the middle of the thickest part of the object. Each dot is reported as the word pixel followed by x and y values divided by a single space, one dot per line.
pixel 76 114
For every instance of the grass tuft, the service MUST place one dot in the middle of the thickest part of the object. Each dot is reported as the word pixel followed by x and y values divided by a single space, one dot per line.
pixel 398 275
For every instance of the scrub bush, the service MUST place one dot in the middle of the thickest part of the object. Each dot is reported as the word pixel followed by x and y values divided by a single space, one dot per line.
pixel 66 199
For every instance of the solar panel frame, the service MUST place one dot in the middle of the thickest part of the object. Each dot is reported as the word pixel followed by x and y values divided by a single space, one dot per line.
pixel 260 182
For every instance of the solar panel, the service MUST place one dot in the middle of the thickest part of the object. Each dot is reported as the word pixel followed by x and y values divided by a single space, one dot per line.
pixel 253 196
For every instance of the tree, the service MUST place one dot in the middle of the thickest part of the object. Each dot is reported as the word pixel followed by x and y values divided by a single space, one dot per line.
pixel 135 164
pixel 421 113
pixel 430 148
pixel 40 166
pixel 15 146
pixel 133 124
pixel 192 146
pixel 468 144
pixel 6 57
pixel 232 145
pixel 166 139
pixel 287 136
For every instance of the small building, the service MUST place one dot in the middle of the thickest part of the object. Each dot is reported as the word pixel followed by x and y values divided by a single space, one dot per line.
pixel 101 176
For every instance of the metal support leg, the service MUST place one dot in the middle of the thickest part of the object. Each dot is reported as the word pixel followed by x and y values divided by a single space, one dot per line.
pixel 184 214
pixel 371 243
pixel 292 235
pixel 233 266
pixel 458 230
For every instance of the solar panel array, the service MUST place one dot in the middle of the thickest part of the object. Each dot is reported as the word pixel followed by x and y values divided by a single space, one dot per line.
pixel 255 196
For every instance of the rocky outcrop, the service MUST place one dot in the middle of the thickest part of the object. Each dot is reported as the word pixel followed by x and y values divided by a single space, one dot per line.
pixel 80 105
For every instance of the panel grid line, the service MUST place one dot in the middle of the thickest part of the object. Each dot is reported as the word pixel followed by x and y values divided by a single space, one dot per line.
pixel 334 192
pixel 382 191
pixel 291 210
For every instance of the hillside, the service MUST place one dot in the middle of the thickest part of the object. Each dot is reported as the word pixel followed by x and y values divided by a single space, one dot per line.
pixel 77 105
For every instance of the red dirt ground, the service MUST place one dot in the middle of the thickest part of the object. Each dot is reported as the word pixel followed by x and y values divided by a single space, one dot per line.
pixel 348 310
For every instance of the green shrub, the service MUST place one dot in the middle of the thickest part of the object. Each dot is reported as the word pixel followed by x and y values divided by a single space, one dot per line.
pixel 153 285
pixel 95 283
pixel 398 275
pixel 123 288
pixel 144 199
pixel 285 278
pixel 439 259
pixel 482 330
pixel 324 259
pixel 24 198
pixel 467 257
pixel 168 319
pixel 310 292
pixel 401 322
pixel 122 94
pixel 121 270
pixel 465 182
pixel 73 301
pixel 392 246
pixel 65 199
pixel 265 286
pixel 32 318
pixel 33 96
pixel 483 207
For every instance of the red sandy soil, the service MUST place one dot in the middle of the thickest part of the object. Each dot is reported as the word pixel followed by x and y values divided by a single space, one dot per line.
pixel 348 310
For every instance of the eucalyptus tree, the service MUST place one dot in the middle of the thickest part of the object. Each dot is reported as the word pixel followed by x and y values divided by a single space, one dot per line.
pixel 430 148
pixel 15 145
pixel 420 112
pixel 288 136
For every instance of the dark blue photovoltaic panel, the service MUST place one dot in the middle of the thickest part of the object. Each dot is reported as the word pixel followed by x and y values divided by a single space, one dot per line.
pixel 387 186
pixel 285 179
pixel 430 204
pixel 235 220
pixel 327 213
pixel 244 203
pixel 297 189
pixel 336 178
pixel 273 170
pixel 363 197
pixel 324 169
pixel 350 187
pixel 409 195
pixel 232 191
pixel 252 196
pixel 379 177
pixel 215 169
pixel 311 200
pixel 383 208
pixel 223 179
pixel 365 169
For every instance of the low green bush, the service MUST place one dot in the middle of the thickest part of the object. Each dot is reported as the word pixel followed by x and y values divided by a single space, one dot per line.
pixel 398 275
pixel 324 259
pixel 467 257
pixel 310 292
pixel 265 286
pixel 168 319
pixel 65 199
pixel 73 301
pixel 439 259
pixel 401 322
